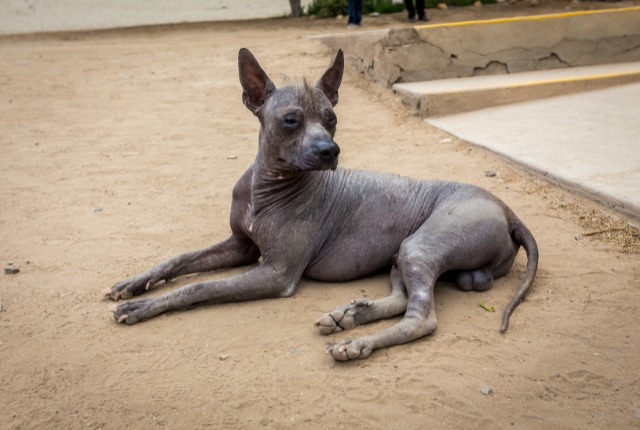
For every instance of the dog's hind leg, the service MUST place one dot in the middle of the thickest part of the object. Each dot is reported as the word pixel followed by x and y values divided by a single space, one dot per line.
pixel 363 311
pixel 419 277
pixel 468 236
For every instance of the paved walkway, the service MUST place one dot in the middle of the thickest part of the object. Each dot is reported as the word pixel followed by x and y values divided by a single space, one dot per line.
pixel 28 16
pixel 588 141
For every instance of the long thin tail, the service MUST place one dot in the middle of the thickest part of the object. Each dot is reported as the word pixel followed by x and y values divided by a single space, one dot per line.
pixel 523 237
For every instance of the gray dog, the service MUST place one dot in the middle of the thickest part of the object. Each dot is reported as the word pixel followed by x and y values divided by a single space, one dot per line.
pixel 305 217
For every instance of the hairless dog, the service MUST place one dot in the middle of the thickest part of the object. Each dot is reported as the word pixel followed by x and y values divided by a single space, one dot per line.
pixel 303 216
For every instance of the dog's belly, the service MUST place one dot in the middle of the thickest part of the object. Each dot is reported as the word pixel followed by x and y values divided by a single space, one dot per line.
pixel 349 259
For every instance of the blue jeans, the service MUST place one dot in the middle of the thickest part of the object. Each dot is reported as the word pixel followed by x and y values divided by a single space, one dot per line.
pixel 355 12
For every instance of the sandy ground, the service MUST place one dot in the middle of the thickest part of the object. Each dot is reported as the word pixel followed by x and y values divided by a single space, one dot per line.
pixel 120 149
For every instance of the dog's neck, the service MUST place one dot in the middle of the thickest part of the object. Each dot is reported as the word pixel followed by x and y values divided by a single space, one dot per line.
pixel 273 184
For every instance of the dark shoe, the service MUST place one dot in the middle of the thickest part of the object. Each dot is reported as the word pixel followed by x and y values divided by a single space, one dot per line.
pixel 424 18
pixel 412 19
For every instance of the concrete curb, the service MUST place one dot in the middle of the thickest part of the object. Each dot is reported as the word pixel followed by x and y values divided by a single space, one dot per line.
pixel 492 47
pixel 448 96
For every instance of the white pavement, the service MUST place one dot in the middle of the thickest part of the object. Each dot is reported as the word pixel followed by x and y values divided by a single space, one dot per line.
pixel 588 141
pixel 33 16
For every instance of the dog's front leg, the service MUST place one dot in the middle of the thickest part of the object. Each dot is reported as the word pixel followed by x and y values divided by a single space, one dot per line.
pixel 232 252
pixel 262 282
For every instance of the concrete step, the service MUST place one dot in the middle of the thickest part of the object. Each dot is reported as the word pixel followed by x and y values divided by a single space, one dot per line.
pixel 447 96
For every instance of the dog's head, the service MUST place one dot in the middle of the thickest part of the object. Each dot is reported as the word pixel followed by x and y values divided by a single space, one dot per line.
pixel 297 121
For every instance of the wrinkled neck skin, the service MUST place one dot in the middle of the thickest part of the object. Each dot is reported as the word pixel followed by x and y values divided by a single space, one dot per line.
pixel 275 183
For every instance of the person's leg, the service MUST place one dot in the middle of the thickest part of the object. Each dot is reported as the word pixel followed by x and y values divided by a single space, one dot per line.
pixel 422 16
pixel 351 11
pixel 358 14
pixel 410 9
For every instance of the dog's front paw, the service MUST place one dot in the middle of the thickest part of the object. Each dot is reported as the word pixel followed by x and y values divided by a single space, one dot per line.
pixel 134 286
pixel 343 318
pixel 350 349
pixel 136 311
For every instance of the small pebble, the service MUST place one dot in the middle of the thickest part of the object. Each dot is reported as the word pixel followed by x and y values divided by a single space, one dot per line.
pixel 223 357
pixel 486 390
pixel 11 270
pixel 490 173
pixel 98 209
pixel 637 415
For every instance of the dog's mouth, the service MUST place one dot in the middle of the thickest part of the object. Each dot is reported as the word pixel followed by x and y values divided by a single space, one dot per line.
pixel 314 159
pixel 334 164
pixel 324 155
pixel 313 165
pixel 319 163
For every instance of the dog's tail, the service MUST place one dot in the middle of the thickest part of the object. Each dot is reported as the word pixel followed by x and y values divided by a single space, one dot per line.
pixel 523 237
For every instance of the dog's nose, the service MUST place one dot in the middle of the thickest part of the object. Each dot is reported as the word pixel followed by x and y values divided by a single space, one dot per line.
pixel 327 150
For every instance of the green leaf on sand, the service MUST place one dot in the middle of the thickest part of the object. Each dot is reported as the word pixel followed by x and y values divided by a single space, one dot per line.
pixel 486 307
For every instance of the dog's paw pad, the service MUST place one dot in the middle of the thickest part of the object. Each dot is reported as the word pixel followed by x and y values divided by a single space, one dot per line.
pixel 350 349
pixel 327 325
pixel 342 318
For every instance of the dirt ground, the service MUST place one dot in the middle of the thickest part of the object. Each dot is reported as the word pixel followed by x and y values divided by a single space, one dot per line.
pixel 120 148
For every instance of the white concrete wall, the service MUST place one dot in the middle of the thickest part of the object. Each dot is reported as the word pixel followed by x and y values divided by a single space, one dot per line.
pixel 29 16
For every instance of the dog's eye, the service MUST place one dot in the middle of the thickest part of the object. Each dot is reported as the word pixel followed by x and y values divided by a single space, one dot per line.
pixel 331 118
pixel 291 121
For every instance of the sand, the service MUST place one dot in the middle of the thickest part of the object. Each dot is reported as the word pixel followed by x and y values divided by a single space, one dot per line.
pixel 120 149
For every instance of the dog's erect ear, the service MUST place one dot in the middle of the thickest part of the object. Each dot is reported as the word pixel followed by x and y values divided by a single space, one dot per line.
pixel 332 78
pixel 256 85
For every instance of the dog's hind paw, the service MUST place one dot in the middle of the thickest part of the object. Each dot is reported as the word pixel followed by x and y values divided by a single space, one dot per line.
pixel 350 349
pixel 342 318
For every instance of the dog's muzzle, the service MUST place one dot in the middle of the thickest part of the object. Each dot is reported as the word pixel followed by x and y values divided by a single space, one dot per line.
pixel 328 152
pixel 321 154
